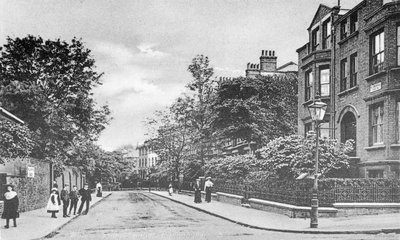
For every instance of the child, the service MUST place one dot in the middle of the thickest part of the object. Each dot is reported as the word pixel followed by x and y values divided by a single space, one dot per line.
pixel 53 205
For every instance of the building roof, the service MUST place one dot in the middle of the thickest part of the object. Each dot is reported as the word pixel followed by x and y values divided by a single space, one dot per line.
pixel 287 65
pixel 315 19
pixel 6 114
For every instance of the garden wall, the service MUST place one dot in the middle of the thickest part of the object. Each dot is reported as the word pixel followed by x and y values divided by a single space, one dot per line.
pixel 33 190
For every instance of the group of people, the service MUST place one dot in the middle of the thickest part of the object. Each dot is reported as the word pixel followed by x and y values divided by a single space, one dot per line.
pixel 66 198
pixel 208 185
pixel 56 200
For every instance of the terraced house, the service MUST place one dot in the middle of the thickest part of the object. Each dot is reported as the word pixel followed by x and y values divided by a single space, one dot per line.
pixel 352 61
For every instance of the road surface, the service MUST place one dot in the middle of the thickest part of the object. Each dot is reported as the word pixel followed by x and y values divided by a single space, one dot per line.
pixel 143 215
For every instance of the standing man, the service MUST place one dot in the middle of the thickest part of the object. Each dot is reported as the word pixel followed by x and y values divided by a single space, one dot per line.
pixel 197 191
pixel 65 200
pixel 207 188
pixel 73 196
pixel 86 197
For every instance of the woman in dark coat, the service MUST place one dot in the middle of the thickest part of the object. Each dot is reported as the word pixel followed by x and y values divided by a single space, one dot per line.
pixel 10 206
pixel 197 191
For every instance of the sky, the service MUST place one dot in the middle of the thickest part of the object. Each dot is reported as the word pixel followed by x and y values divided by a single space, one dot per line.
pixel 145 46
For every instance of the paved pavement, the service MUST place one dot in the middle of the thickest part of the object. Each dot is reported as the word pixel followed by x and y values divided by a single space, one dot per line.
pixel 143 215
pixel 37 223
pixel 367 224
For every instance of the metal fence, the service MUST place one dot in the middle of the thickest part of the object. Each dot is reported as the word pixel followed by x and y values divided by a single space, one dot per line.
pixel 330 191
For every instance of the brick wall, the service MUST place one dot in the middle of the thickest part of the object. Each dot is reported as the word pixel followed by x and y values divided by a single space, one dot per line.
pixel 372 17
pixel 33 192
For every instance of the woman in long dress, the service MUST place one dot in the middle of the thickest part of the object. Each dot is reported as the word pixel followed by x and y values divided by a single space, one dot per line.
pixel 207 188
pixel 99 189
pixel 10 210
pixel 53 205
pixel 197 191
pixel 170 189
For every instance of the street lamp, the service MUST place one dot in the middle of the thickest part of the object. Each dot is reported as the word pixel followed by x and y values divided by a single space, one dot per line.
pixel 317 112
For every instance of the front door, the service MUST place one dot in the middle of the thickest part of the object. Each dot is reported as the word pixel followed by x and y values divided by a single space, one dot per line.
pixel 349 130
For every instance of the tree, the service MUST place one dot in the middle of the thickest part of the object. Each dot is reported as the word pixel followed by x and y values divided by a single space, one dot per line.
pixel 171 136
pixel 230 168
pixel 288 157
pixel 49 85
pixel 15 140
pixel 203 86
pixel 258 109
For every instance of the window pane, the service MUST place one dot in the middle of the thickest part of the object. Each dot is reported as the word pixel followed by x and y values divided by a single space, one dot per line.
pixel 382 42
pixel 324 90
pixel 324 130
pixel 325 76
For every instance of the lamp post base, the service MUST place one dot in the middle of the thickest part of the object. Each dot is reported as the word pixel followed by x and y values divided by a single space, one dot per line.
pixel 314 211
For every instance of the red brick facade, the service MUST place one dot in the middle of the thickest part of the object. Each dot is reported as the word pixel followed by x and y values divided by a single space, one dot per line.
pixel 364 83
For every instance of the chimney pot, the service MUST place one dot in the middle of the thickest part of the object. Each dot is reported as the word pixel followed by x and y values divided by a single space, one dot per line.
pixel 273 53
pixel 262 53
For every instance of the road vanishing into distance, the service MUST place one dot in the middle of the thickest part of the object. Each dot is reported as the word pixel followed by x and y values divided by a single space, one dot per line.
pixel 143 215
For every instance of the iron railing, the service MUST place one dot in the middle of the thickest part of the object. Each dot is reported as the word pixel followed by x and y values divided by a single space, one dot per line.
pixel 300 192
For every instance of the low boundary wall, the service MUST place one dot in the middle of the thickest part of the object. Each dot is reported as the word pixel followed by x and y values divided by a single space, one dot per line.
pixel 352 209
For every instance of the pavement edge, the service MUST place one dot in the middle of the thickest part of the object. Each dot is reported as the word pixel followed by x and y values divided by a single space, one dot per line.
pixel 52 233
pixel 375 231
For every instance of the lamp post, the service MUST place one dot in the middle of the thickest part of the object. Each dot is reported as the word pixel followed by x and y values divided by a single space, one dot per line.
pixel 317 112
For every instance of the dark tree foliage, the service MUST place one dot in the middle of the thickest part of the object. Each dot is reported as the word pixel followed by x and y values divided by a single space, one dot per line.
pixel 258 109
pixel 15 140
pixel 48 84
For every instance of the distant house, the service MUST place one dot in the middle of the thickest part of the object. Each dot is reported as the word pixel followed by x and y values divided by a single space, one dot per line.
pixel 268 66
pixel 147 159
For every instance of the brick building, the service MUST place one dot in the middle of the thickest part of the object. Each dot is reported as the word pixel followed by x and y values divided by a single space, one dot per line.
pixel 352 60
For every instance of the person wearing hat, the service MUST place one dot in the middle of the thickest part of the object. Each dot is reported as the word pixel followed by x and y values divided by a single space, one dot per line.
pixel 65 200
pixel 54 203
pixel 10 209
pixel 86 198
pixel 197 191
pixel 207 188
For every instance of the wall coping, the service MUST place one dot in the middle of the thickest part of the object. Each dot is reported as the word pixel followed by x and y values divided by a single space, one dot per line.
pixel 230 195
pixel 366 205
pixel 289 206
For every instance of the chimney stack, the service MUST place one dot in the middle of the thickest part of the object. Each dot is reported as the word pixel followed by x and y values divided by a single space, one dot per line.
pixel 268 61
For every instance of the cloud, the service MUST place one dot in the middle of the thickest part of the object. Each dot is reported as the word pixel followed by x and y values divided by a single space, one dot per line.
pixel 133 89
pixel 117 53
pixel 147 49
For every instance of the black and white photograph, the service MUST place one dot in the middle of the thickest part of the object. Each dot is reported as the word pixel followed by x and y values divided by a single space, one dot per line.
pixel 200 119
